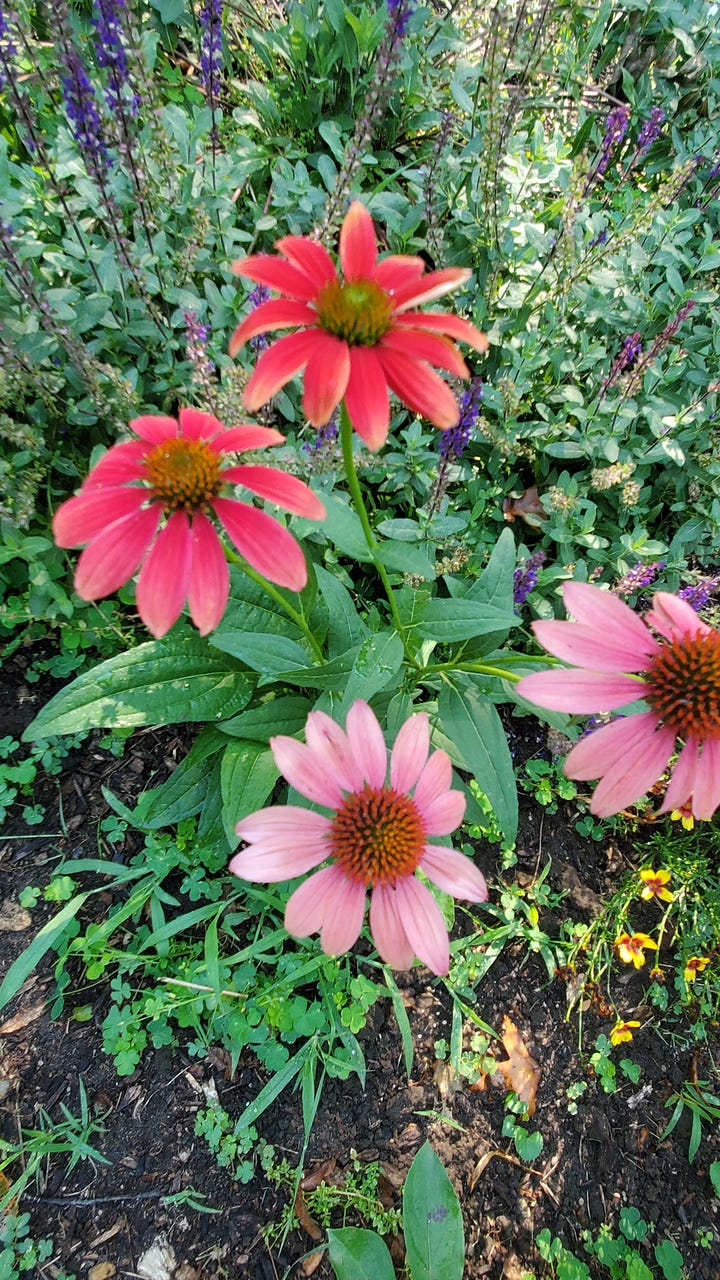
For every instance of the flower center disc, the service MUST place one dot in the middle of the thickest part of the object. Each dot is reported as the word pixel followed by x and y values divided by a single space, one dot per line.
pixel 377 836
pixel 684 686
pixel 184 473
pixel 359 312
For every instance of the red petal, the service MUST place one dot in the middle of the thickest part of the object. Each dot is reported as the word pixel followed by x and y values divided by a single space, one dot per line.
pixel 112 557
pixel 154 428
pixel 309 257
pixel 279 313
pixel 275 486
pixel 196 425
pixel 164 578
pixel 427 346
pixel 432 286
pixel 92 510
pixel 246 436
pixel 121 463
pixel 276 366
pixel 277 274
pixel 419 388
pixel 399 269
pixel 209 584
pixel 326 378
pixel 269 548
pixel 440 322
pixel 358 246
pixel 366 397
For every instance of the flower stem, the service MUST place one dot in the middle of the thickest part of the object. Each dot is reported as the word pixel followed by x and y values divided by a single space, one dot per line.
pixel 269 589
pixel 353 483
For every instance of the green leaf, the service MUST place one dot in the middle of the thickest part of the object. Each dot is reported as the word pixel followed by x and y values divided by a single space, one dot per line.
pixel 449 620
pixel 274 1087
pixel 475 729
pixel 346 626
pixel 670 1261
pixel 358 1254
pixel 403 1021
pixel 401 557
pixel 278 715
pixel 343 528
pixel 527 1145
pixel 247 776
pixel 496 582
pixel 185 790
pixel 714 1172
pixel 378 659
pixel 41 943
pixel 265 653
pixel 432 1220
pixel 330 675
pixel 251 609
pixel 171 681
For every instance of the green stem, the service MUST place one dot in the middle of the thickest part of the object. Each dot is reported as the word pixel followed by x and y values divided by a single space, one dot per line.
pixel 275 595
pixel 346 430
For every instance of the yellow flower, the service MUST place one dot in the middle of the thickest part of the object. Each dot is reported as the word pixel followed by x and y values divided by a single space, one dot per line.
pixel 654 885
pixel 630 948
pixel 694 966
pixel 685 816
pixel 657 974
pixel 621 1031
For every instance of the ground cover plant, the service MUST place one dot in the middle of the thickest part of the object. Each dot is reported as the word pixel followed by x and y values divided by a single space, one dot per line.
pixel 368 355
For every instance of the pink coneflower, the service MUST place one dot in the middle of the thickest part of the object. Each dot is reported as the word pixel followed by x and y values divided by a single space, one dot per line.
pixel 177 470
pixel 376 838
pixel 358 334
pixel 619 661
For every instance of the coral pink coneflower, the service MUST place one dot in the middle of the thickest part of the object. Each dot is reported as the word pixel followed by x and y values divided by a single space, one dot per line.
pixel 177 470
pixel 358 333
pixel 376 838
pixel 619 660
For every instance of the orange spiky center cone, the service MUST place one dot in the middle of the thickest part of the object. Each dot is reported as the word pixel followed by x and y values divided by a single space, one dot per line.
pixel 377 836
pixel 359 311
pixel 184 473
pixel 684 685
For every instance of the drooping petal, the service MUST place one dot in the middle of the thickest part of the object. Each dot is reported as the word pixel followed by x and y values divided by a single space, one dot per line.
pixel 410 752
pixel 245 436
pixel 706 786
pixel 674 618
pixel 366 398
pixel 91 510
pixel 298 763
pixel 358 244
pixel 312 901
pixel 264 543
pixel 424 926
pixel 332 751
pixel 433 285
pixel 344 920
pixel 281 276
pixel 444 814
pixel 367 743
pixel 284 841
pixel 209 584
pixel 310 257
pixel 596 647
pixel 399 269
pixel 278 313
pixel 154 427
pixel 453 873
pixel 682 780
pixel 450 325
pixel 426 346
pixel 600 750
pixel 435 780
pixel 122 463
pixel 326 377
pixel 278 487
pixel 165 576
pixel 419 388
pixel 605 616
pixel 387 929
pixel 196 425
pixel 276 366
pixel 629 778
pixel 114 555
pixel 580 692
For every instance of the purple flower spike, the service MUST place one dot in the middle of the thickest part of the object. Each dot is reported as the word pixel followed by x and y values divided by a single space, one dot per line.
pixel 452 442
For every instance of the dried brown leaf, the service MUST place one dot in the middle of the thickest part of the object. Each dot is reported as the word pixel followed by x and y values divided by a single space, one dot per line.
pixel 302 1214
pixel 528 507
pixel 13 917
pixel 520 1071
pixel 323 1172
pixel 102 1271
pixel 311 1262
pixel 22 1019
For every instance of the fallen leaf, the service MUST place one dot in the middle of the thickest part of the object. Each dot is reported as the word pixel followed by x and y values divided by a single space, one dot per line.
pixel 311 1262
pixel 13 917
pixel 111 1232
pixel 158 1262
pixel 528 507
pixel 444 1078
pixel 22 1019
pixel 303 1216
pixel 322 1173
pixel 102 1271
pixel 520 1071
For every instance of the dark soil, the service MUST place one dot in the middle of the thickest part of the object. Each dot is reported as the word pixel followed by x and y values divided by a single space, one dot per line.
pixel 608 1154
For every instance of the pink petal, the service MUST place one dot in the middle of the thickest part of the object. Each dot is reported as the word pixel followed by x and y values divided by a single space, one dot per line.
pixel 397 270
pixel 114 555
pixel 419 388
pixel 596 647
pixel 122 463
pixel 580 692
pixel 276 366
pixel 344 920
pixel 165 576
pixel 196 425
pixel 358 245
pixel 424 926
pixel 706 786
pixel 674 618
pixel 602 614
pixel 92 510
pixel 281 276
pixel 332 751
pixel 367 743
pixel 326 377
pixel 444 814
pixel 682 780
pixel 435 780
pixel 599 751
pixel 310 257
pixel 453 873
pixel 387 930
pixel 433 285
pixel 309 905
pixel 209 584
pixel 154 427
pixel 284 841
pixel 449 325
pixel 366 397
pixel 264 543
pixel 630 777
pixel 426 346
pixel 246 436
pixel 278 487
pixel 410 752
pixel 298 764
pixel 279 313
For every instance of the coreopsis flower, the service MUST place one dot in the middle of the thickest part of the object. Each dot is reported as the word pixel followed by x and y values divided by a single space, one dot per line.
pixel 152 500
pixel 623 1031
pixel 655 885
pixel 618 660
pixel 693 966
pixel 684 816
pixel 358 333
pixel 375 837
pixel 631 948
